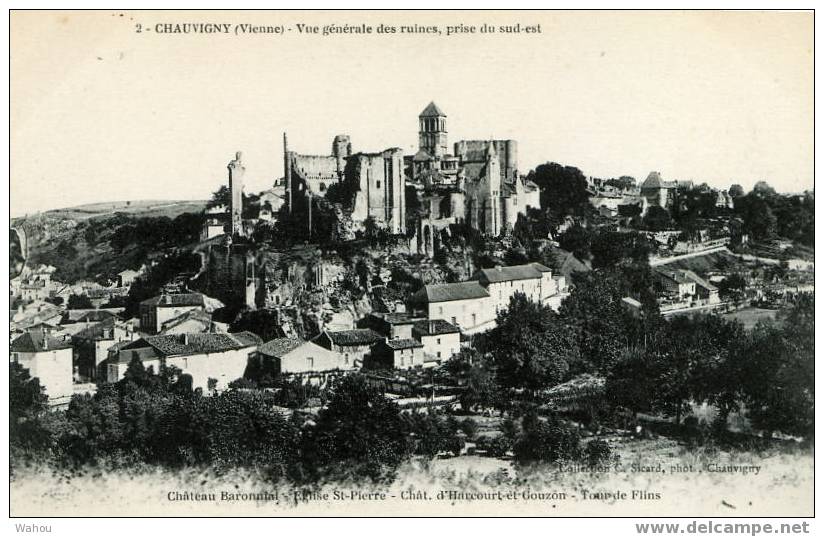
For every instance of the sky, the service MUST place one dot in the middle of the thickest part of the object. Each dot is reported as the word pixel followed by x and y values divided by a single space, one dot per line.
pixel 100 112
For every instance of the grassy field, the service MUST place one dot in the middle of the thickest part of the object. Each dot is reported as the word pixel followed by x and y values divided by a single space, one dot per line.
pixel 653 477
pixel 749 317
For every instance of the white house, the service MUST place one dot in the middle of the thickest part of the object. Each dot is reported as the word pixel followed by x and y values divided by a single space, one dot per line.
pixel 441 340
pixel 47 358
pixel 156 311
pixel 294 355
pixel 533 280
pixel 212 360
pixel 467 305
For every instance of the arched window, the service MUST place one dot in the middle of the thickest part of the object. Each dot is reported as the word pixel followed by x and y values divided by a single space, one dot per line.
pixel 323 187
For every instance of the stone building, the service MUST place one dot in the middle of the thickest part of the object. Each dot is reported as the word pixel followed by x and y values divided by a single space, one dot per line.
pixel 658 192
pixel 478 183
pixel 373 182
pixel 47 358
pixel 236 171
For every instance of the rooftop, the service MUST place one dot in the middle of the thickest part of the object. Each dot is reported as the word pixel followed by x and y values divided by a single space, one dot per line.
pixel 37 341
pixel 446 292
pixel 434 327
pixel 181 299
pixel 188 344
pixel 401 344
pixel 358 336
pixel 432 110
pixel 505 274
pixel 280 346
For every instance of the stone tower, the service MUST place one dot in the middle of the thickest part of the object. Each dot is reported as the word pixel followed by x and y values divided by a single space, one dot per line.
pixel 341 148
pixel 432 134
pixel 236 170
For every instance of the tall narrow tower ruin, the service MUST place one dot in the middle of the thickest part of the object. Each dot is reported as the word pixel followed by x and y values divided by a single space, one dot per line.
pixel 236 171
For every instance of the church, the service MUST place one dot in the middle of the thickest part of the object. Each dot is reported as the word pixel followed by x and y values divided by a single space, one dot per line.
pixel 478 183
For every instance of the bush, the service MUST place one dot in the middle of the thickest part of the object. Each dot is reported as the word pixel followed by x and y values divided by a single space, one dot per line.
pixel 495 447
pixel 597 452
pixel 469 427
pixel 547 440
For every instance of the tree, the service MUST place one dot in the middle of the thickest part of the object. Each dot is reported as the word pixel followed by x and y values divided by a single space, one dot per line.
pixel 763 189
pixel 657 219
pixel 778 367
pixel 359 426
pixel 736 191
pixel 759 220
pixel 732 287
pixel 609 248
pixel 531 347
pixel 79 302
pixel 577 240
pixel 624 182
pixel 546 441
pixel 632 381
pixel 476 375
pixel 563 189
pixel 594 315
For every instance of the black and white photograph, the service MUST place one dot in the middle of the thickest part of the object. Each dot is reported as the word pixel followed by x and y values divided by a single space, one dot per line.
pixel 419 263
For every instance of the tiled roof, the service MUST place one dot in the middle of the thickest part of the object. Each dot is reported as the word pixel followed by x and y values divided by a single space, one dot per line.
pixel 180 299
pixel 700 281
pixel 394 318
pixel 280 346
pixel 89 315
pixel 36 341
pixel 187 344
pixel 434 327
pixel 246 338
pixel 674 275
pixel 654 180
pixel 432 110
pixel 400 344
pixel 446 292
pixel 358 336
pixel 506 274
pixel 96 330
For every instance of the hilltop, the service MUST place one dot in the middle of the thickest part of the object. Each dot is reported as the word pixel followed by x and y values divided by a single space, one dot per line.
pixel 98 240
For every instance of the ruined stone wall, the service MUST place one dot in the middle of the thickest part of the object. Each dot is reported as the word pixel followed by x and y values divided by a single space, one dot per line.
pixel 475 151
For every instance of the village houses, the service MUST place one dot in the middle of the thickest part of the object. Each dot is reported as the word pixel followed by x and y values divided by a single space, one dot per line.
pixel 212 360
pixel 47 358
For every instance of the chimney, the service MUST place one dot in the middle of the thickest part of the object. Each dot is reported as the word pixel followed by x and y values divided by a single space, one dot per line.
pixel 431 326
pixel 45 340
pixel 498 268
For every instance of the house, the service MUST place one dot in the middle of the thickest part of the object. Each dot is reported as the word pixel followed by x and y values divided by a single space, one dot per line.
pixel 440 339
pixel 396 354
pixel 467 305
pixel 391 325
pixel 91 346
pixel 47 358
pixel 353 345
pixel 292 355
pixel 157 310
pixel 533 280
pixel 126 277
pixel 212 360
pixel 658 192
pixel 675 284
pixel 684 288
pixel 705 292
